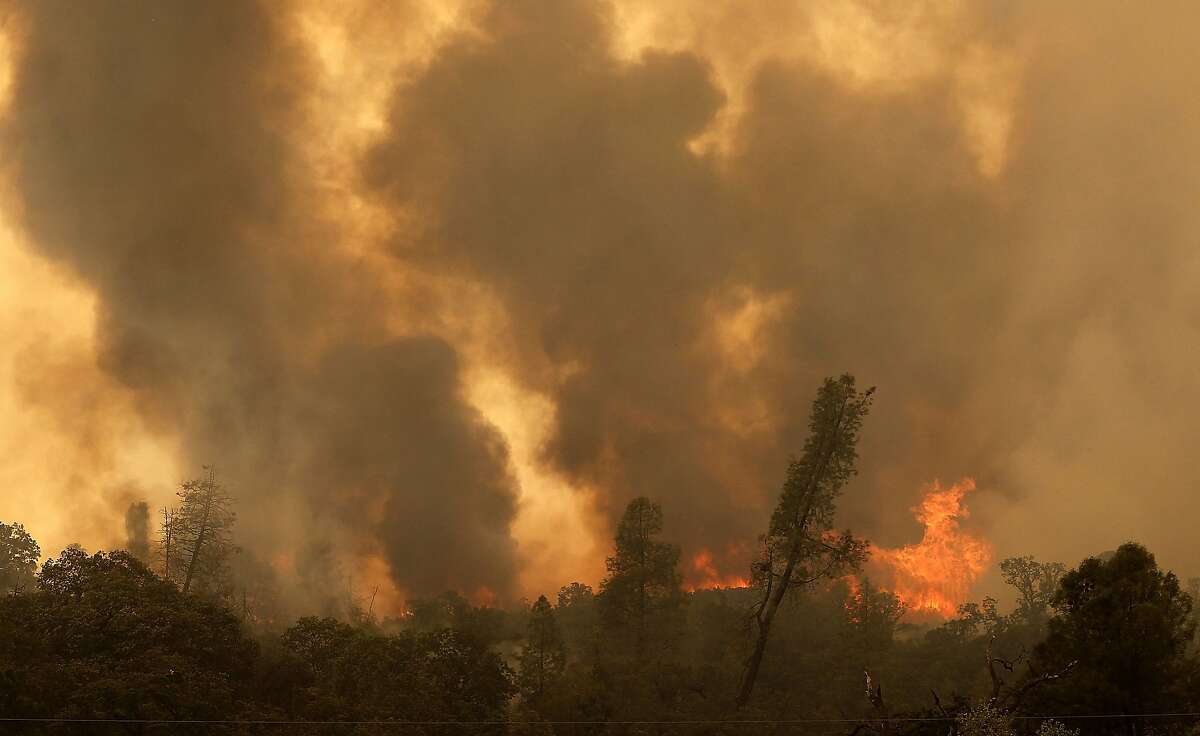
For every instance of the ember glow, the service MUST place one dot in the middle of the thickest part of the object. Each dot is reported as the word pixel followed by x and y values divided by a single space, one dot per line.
pixel 853 596
pixel 935 575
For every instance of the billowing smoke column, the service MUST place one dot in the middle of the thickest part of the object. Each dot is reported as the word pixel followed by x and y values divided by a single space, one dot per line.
pixel 535 161
pixel 154 152
pixel 680 306
pixel 1028 315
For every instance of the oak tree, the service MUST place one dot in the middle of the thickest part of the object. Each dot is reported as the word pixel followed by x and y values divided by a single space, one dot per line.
pixel 19 555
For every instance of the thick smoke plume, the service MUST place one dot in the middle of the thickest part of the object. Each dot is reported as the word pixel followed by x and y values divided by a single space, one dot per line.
pixel 537 162
pixel 680 306
pixel 671 226
pixel 156 152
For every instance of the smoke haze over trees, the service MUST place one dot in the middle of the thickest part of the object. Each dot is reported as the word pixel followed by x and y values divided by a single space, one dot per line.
pixel 501 320
pixel 100 639
pixel 103 637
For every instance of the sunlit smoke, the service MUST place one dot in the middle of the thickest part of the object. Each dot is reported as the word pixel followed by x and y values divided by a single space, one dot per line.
pixel 634 237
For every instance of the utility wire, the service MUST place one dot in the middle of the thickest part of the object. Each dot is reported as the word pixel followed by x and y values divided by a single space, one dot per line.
pixel 702 722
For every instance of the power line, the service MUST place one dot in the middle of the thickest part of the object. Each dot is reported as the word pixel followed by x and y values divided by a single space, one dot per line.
pixel 699 722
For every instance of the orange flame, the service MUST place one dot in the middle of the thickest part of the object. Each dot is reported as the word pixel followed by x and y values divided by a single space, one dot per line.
pixel 484 597
pixel 935 575
pixel 853 595
pixel 853 587
pixel 707 576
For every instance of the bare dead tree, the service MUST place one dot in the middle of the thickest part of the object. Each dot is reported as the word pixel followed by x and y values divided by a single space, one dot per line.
pixel 875 696
pixel 205 520
pixel 166 541
pixel 1008 697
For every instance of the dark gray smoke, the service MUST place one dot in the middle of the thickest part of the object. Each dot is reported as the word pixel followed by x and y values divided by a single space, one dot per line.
pixel 154 151
pixel 988 310
pixel 540 164
pixel 1035 328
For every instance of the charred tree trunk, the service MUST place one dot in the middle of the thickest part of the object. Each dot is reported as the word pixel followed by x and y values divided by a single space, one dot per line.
pixel 168 537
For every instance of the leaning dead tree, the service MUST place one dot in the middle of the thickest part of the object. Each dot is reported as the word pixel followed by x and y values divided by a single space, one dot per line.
pixel 167 548
pixel 801 547
pixel 199 531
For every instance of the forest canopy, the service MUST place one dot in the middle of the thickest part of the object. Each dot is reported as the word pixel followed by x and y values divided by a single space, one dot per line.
pixel 509 366
pixel 1106 647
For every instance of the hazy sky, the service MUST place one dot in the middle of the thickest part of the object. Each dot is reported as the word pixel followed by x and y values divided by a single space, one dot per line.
pixel 441 286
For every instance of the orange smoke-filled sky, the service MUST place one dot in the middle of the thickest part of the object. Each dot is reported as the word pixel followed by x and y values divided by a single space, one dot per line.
pixel 597 251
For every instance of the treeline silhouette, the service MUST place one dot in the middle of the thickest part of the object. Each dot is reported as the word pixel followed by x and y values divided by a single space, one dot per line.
pixel 160 641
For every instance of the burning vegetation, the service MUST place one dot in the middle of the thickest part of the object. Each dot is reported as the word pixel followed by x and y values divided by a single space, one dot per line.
pixel 479 301
pixel 704 574
pixel 930 578
pixel 934 576
pixel 206 635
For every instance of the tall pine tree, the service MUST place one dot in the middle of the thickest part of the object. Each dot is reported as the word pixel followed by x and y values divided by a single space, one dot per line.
pixel 641 600
pixel 800 546
pixel 544 656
